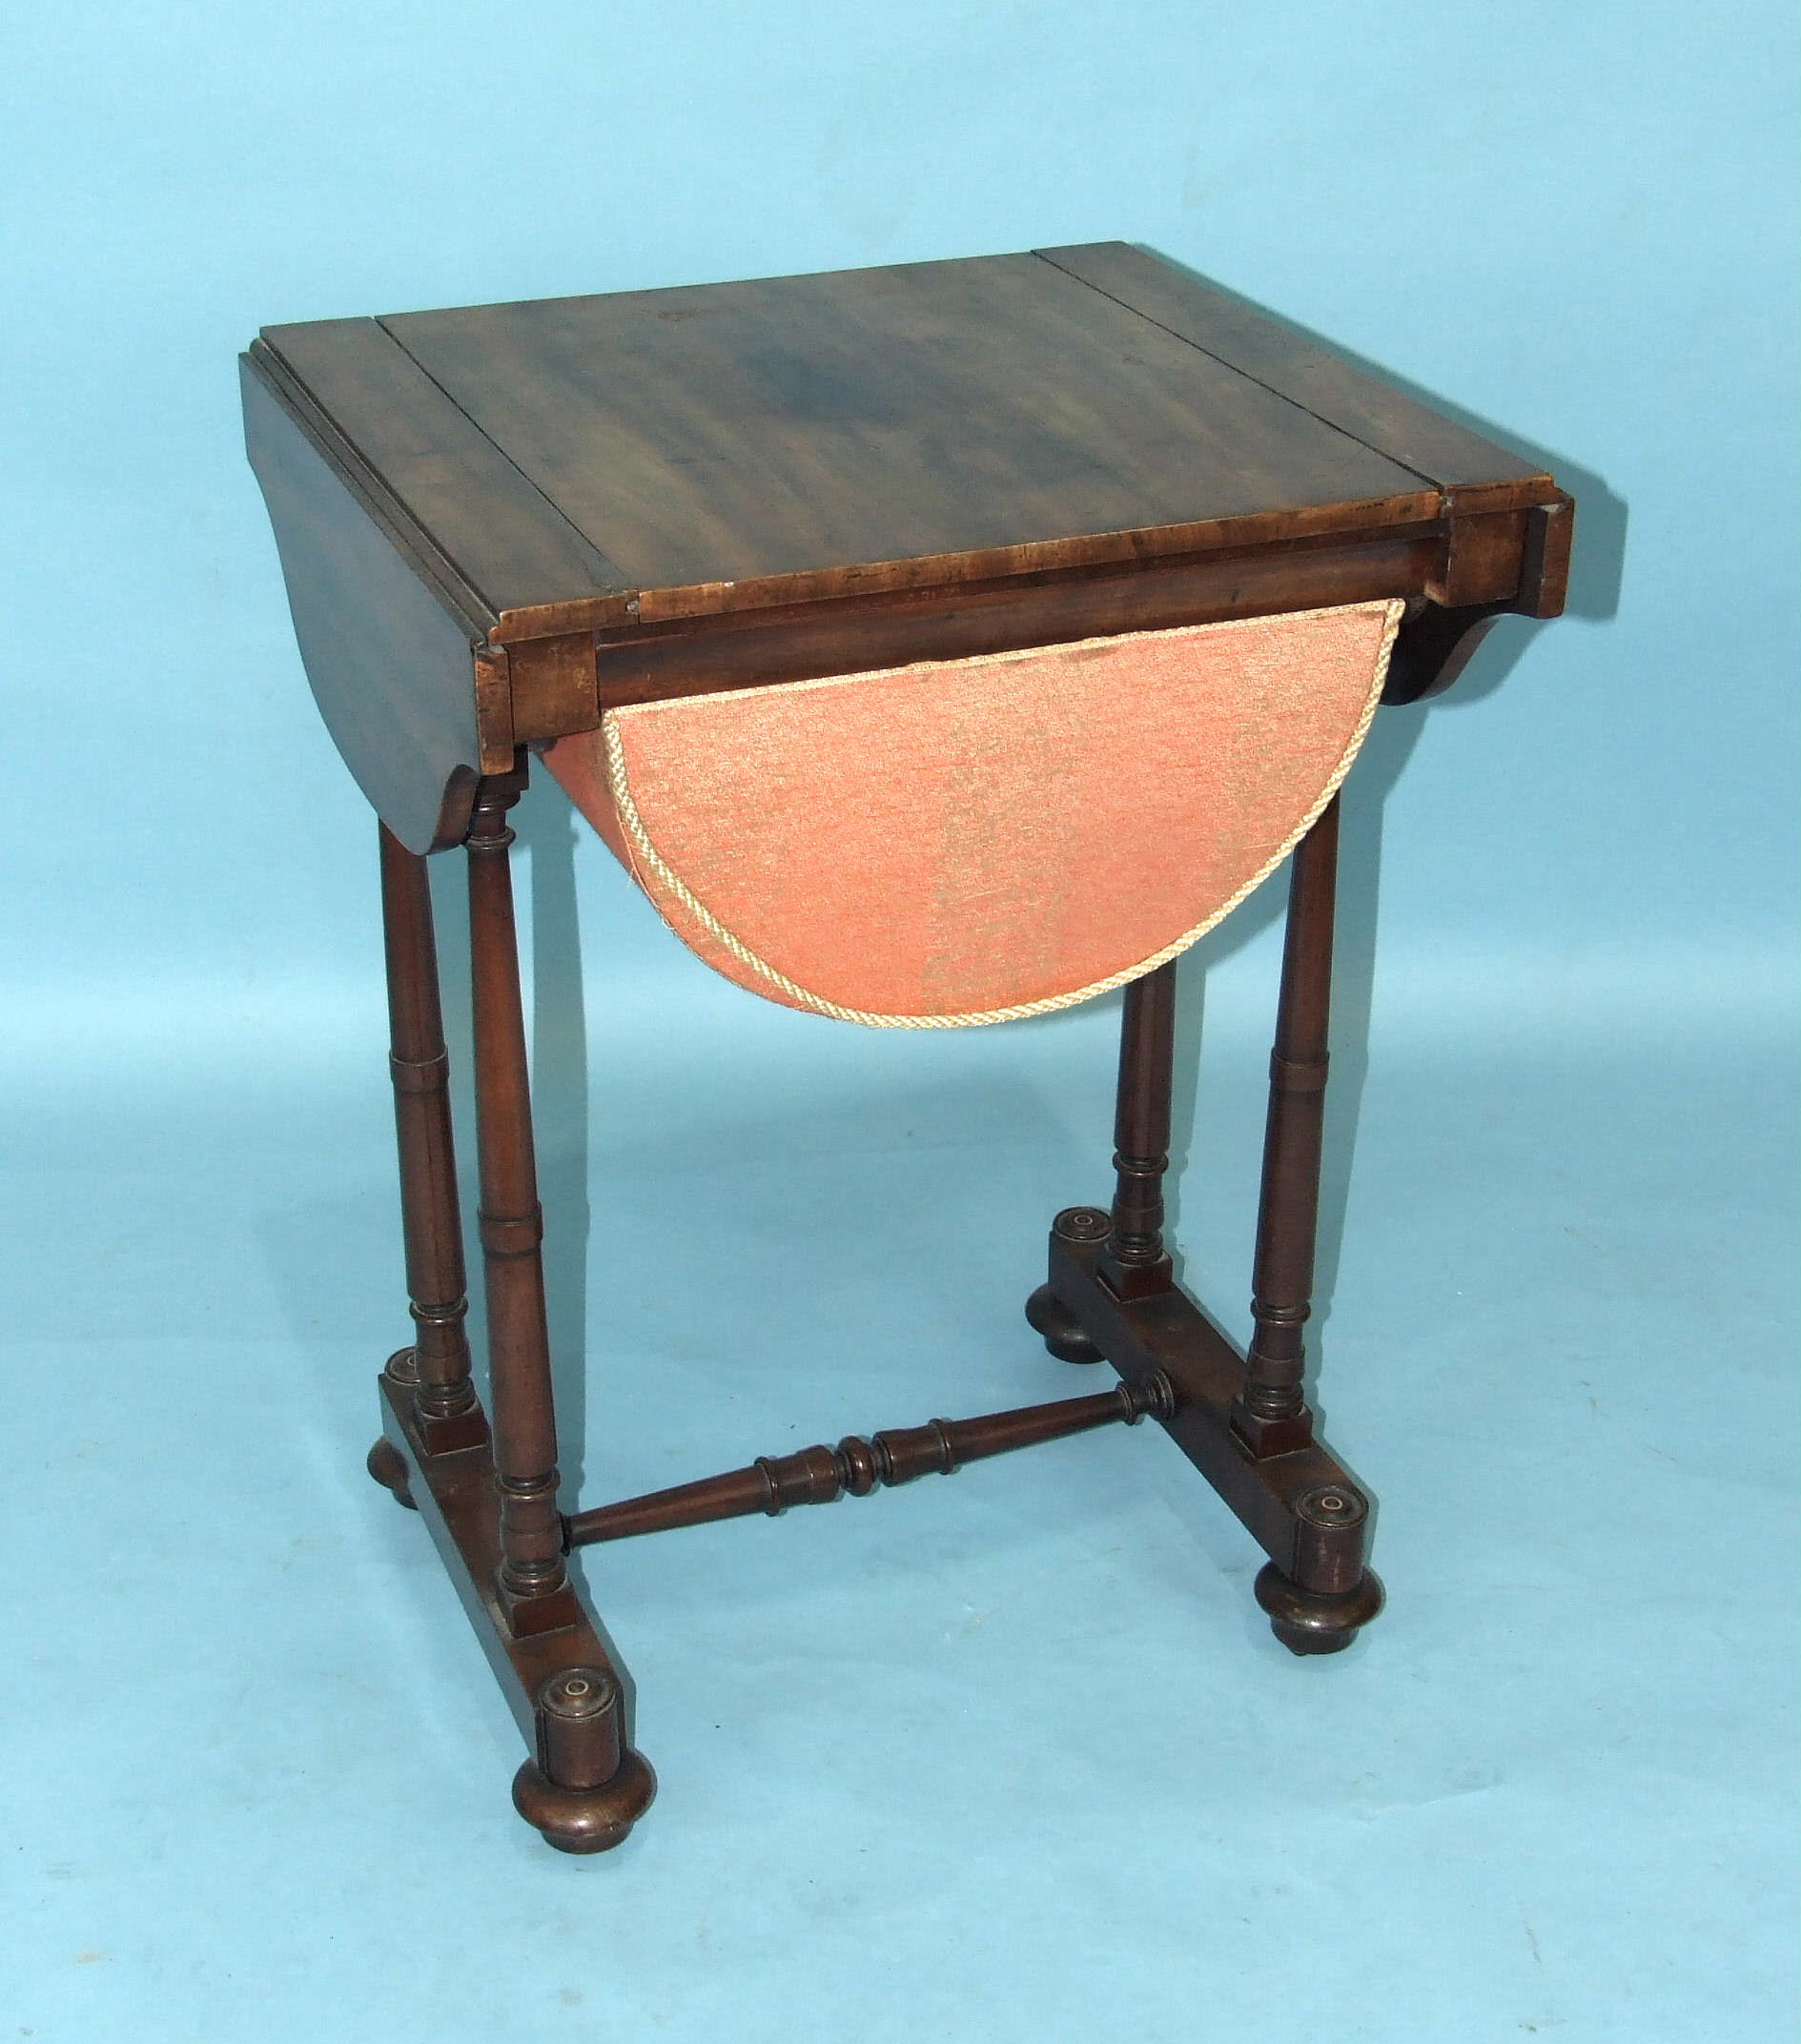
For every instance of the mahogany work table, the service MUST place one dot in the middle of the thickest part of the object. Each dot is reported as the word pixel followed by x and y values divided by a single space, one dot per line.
pixel 510 525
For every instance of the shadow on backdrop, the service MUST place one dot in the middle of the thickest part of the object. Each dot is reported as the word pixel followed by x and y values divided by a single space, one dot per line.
pixel 547 827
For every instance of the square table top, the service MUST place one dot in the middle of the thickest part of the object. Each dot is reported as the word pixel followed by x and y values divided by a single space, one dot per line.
pixel 648 456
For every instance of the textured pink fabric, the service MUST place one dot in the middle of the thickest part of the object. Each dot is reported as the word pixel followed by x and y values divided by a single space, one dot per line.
pixel 942 842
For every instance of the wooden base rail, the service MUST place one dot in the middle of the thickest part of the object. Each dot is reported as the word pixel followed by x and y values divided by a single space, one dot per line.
pixel 855 1467
pixel 1300 1504
pixel 586 1784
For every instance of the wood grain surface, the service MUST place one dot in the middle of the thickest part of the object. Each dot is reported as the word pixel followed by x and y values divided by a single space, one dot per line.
pixel 642 457
pixel 648 493
pixel 823 428
pixel 391 665
pixel 1367 407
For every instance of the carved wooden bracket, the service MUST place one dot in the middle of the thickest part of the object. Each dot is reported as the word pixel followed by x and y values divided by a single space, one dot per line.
pixel 1437 639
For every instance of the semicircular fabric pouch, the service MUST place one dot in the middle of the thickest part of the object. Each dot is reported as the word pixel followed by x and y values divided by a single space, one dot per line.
pixel 979 840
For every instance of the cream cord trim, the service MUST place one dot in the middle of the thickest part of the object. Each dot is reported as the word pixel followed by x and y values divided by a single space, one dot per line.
pixel 640 838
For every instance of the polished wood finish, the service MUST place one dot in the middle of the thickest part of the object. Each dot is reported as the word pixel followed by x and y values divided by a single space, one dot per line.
pixel 648 493
pixel 1437 638
pixel 808 437
pixel 1271 1416
pixel 856 1467
pixel 1474 472
pixel 585 1788
pixel 1047 1313
pixel 437 1363
pixel 1301 1507
pixel 384 1463
pixel 499 521
pixel 796 642
pixel 534 1584
pixel 486 530
pixel 390 659
pixel 1135 1263
pixel 734 445
pixel 563 1789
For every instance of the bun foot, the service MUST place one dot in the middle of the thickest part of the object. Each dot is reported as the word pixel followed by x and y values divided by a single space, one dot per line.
pixel 388 1466
pixel 585 1820
pixel 1061 1329
pixel 586 1787
pixel 1316 1622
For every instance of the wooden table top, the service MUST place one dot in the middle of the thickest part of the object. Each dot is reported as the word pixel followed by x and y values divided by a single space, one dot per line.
pixel 654 491
pixel 730 447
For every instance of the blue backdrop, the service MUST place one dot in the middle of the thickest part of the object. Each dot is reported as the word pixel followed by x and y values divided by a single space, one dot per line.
pixel 1011 1757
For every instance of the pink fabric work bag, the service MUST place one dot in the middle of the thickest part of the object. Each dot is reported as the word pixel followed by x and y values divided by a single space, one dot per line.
pixel 975 841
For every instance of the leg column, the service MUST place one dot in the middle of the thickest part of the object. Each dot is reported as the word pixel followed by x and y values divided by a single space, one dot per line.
pixel 1271 1416
pixel 1319 1601
pixel 533 1583
pixel 435 1368
pixel 1136 1264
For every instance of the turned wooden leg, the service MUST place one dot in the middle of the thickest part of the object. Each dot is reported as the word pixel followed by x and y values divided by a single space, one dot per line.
pixel 1271 1416
pixel 1242 1422
pixel 1320 1600
pixel 434 1370
pixel 1135 1263
pixel 533 1583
